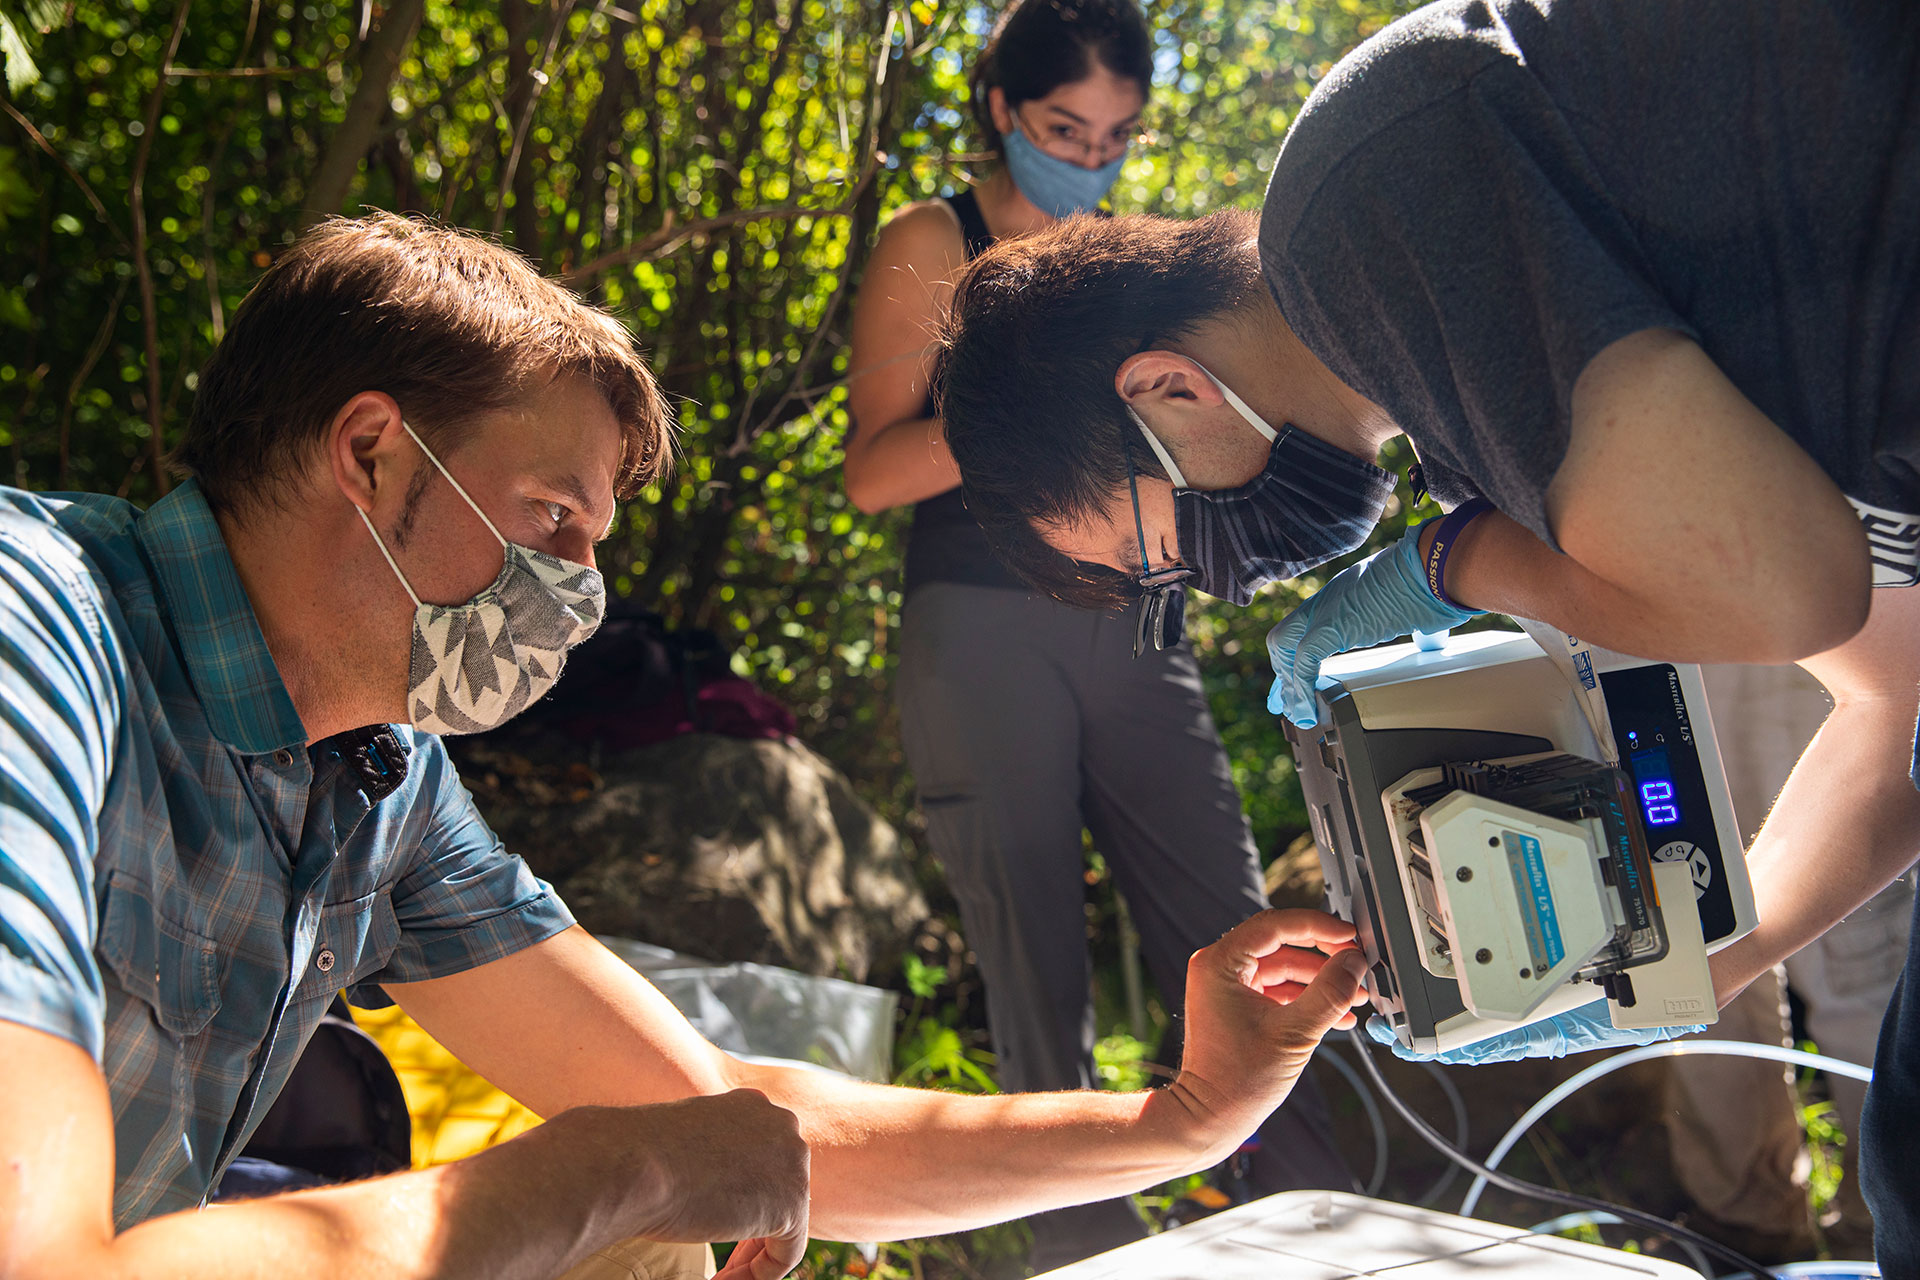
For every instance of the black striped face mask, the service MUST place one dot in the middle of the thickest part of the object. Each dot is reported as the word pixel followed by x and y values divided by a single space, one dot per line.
pixel 1310 503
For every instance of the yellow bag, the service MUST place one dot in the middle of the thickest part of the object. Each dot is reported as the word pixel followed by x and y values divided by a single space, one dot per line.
pixel 455 1111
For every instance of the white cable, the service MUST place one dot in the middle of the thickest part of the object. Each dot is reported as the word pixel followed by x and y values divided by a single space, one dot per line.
pixel 1568 1221
pixel 1326 1054
pixel 1669 1049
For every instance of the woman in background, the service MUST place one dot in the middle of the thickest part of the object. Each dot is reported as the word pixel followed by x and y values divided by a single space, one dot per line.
pixel 1025 720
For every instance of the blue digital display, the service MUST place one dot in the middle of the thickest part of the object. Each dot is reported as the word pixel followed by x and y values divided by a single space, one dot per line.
pixel 1654 775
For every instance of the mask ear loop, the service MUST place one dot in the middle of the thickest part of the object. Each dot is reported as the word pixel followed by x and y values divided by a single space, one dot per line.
pixel 457 486
pixel 381 543
pixel 1139 524
pixel 1240 406
pixel 1160 450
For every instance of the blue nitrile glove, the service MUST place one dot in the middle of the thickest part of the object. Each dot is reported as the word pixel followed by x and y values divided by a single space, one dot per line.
pixel 1382 598
pixel 1575 1031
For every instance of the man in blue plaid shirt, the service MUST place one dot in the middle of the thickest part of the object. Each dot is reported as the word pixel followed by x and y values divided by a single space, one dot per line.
pixel 224 800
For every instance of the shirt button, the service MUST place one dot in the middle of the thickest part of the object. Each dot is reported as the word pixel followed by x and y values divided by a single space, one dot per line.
pixel 283 758
pixel 324 961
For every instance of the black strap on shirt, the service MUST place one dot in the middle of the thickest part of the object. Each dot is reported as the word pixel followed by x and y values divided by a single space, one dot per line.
pixel 376 756
pixel 966 207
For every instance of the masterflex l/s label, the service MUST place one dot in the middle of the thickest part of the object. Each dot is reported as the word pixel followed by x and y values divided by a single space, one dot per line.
pixel 1537 915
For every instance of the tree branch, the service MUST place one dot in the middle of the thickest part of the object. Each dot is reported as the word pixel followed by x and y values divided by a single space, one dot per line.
pixel 39 140
pixel 137 199
pixel 99 348
pixel 209 260
pixel 354 136
pixel 671 236
pixel 542 77
pixel 240 73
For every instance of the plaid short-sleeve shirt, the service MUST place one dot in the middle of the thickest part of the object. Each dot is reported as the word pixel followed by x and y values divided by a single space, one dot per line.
pixel 185 882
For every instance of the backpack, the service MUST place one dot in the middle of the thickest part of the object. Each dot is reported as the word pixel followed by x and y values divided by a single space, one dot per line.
pixel 341 1117
pixel 637 681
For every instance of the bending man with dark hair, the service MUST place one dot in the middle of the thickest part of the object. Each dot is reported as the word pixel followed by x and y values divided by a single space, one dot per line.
pixel 224 801
pixel 1642 286
pixel 1027 722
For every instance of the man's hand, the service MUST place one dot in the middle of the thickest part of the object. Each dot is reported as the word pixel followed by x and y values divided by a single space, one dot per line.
pixel 728 1167
pixel 1383 597
pixel 1258 1003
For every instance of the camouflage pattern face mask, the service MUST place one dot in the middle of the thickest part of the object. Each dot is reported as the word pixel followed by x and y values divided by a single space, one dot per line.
pixel 476 665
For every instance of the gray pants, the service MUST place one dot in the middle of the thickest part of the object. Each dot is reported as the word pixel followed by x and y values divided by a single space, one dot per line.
pixel 1026 721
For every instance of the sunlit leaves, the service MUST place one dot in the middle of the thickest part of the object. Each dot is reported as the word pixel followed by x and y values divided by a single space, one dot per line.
pixel 646 125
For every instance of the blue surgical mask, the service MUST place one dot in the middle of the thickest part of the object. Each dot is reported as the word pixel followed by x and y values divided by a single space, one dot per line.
pixel 1057 187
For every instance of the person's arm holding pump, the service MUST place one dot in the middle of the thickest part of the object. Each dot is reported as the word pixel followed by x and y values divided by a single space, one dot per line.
pixel 895 454
pixel 1848 820
pixel 1723 542
pixel 1846 823
pixel 1691 530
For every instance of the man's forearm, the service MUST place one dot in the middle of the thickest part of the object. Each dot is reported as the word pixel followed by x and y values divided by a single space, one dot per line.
pixel 1847 823
pixel 525 1210
pixel 890 1163
pixel 898 1162
pixel 1499 566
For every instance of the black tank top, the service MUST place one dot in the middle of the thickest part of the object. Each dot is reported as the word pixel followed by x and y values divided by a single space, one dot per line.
pixel 946 544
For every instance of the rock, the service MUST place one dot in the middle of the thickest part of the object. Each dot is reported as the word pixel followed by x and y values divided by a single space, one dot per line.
pixel 1294 878
pixel 726 848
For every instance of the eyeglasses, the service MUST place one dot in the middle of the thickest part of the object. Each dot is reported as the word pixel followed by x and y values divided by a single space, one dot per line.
pixel 1073 149
pixel 1163 604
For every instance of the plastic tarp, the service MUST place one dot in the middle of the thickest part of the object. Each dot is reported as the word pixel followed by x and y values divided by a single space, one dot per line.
pixel 761 1012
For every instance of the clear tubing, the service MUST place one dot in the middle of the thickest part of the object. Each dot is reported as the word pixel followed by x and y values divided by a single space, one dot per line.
pixel 1835 1270
pixel 1374 1118
pixel 1568 1221
pixel 1669 1049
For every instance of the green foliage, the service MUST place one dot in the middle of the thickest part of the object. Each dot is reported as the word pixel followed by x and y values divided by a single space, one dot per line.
pixel 20 25
pixel 1121 1063
pixel 1823 1136
pixel 1585 1233
pixel 922 979
pixel 1826 1142
pixel 935 1055
pixel 713 171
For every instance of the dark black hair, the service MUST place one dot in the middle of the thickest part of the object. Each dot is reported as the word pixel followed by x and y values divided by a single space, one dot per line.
pixel 1039 45
pixel 1023 371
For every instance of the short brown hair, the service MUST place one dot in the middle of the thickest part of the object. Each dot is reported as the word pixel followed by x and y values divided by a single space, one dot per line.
pixel 1023 371
pixel 447 323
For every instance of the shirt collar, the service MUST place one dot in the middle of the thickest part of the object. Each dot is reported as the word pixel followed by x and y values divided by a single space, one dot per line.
pixel 247 703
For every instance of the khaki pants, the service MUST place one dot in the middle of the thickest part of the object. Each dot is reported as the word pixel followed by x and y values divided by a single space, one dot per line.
pixel 1733 1123
pixel 645 1260
pixel 1734 1126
